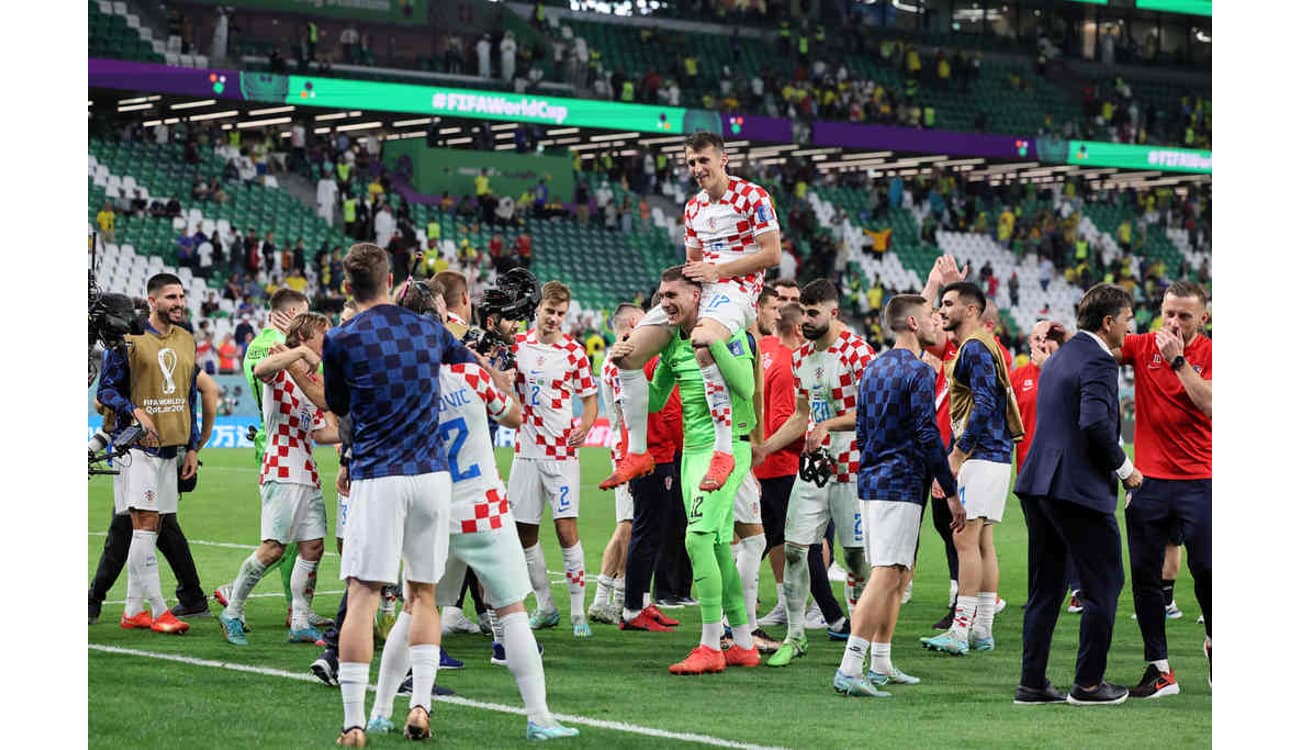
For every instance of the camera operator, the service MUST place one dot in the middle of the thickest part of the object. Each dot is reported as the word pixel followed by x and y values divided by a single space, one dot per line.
pixel 153 379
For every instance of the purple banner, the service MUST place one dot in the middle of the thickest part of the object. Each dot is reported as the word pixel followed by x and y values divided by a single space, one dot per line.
pixel 738 125
pixel 154 78
pixel 950 142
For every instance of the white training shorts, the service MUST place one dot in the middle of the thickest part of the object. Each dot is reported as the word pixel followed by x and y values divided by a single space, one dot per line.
pixel 982 487
pixel 341 515
pixel 893 526
pixel 497 559
pixel 812 507
pixel 723 302
pixel 145 482
pixel 746 507
pixel 623 509
pixel 532 480
pixel 397 520
pixel 292 512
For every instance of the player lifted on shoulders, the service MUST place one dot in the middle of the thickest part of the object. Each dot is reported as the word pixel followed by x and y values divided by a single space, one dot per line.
pixel 732 237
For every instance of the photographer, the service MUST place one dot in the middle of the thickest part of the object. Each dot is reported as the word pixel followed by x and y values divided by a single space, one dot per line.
pixel 153 379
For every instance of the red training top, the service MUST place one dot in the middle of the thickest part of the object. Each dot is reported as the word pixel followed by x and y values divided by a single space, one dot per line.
pixel 1024 380
pixel 1172 440
pixel 664 429
pixel 941 413
pixel 778 405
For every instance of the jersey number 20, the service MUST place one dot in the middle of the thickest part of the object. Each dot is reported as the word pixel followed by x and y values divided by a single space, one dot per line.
pixel 454 434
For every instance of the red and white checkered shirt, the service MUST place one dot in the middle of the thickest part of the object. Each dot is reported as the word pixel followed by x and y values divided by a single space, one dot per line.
pixel 467 398
pixel 289 418
pixel 547 379
pixel 729 229
pixel 828 381
pixel 611 392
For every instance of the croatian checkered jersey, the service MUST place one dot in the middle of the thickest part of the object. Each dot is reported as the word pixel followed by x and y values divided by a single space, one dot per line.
pixel 611 392
pixel 467 398
pixel 729 229
pixel 290 418
pixel 828 380
pixel 547 379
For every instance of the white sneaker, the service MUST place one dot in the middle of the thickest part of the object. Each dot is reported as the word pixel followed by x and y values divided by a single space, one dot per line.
pixel 813 618
pixel 775 617
pixel 907 593
pixel 455 621
pixel 835 573
pixel 1001 605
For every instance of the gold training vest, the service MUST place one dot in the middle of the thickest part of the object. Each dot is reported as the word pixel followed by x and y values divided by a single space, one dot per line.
pixel 162 368
pixel 961 399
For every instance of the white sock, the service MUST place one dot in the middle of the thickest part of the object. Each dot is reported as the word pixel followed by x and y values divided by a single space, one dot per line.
pixel 525 664
pixel 630 614
pixel 619 595
pixel 1161 664
pixel 855 652
pixel 603 585
pixel 715 389
pixel 796 587
pixel 712 635
pixel 143 561
pixel 353 679
pixel 498 634
pixel 743 636
pixel 424 672
pixel 575 573
pixel 302 592
pixel 393 664
pixel 537 577
pixel 636 407
pixel 135 572
pixel 749 557
pixel 987 607
pixel 964 616
pixel 250 572
pixel 952 592
pixel 880 661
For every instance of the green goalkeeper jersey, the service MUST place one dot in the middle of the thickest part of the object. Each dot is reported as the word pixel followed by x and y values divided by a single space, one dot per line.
pixel 257 350
pixel 677 366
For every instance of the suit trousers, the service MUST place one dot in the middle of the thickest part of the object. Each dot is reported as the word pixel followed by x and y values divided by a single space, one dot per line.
pixel 1057 528
pixel 653 499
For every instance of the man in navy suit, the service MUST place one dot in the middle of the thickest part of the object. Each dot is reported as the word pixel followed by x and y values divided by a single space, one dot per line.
pixel 1067 489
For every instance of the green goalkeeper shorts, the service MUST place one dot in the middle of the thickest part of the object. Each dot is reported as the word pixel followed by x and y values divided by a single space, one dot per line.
pixel 712 512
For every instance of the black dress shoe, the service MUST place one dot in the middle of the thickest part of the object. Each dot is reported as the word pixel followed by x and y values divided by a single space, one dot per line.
pixel 199 609
pixel 946 621
pixel 1104 694
pixel 1027 696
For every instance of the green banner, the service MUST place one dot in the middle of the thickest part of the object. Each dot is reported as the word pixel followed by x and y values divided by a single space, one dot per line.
pixel 1125 156
pixel 434 170
pixel 480 105
pixel 1190 7
pixel 373 11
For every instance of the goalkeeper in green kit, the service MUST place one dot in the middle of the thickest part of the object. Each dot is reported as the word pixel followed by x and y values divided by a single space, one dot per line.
pixel 709 515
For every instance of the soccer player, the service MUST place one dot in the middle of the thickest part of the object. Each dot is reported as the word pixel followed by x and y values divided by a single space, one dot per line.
pixel 985 423
pixel 382 368
pixel 610 587
pixel 482 537
pixel 293 508
pixel 1172 448
pixel 827 368
pixel 552 370
pixel 901 453
pixel 732 236
pixel 153 380
pixel 709 514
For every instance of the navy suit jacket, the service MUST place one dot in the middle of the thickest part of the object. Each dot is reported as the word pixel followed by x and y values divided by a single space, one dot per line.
pixel 1076 448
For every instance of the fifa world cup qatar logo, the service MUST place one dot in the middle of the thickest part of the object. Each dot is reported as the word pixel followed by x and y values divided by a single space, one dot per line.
pixel 167 363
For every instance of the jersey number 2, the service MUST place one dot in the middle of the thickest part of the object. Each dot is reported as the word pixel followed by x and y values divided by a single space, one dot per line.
pixel 454 434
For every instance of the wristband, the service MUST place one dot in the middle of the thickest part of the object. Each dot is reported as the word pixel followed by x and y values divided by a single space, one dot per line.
pixel 1177 363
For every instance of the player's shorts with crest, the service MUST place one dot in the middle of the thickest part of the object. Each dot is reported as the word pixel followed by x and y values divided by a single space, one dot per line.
pixel 812 507
pixel 292 512
pixel 341 516
pixel 982 487
pixel 723 302
pixel 746 507
pixel 145 482
pixel 497 559
pixel 396 520
pixel 893 527
pixel 534 480
pixel 712 512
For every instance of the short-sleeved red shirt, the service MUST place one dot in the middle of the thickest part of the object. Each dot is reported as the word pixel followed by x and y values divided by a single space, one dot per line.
pixel 1024 382
pixel 664 428
pixel 941 413
pixel 1173 438
pixel 778 405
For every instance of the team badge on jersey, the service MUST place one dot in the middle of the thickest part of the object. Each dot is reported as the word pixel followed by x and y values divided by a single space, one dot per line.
pixel 737 348
pixel 762 213
pixel 1156 361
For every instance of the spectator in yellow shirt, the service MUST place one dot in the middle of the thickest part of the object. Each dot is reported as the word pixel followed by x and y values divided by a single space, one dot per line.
pixel 481 186
pixel 107 221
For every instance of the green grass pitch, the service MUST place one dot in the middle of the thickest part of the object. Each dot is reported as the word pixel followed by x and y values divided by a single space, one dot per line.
pixel 615 677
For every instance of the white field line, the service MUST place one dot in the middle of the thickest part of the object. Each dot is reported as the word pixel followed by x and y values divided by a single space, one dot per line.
pixel 455 700
pixel 267 594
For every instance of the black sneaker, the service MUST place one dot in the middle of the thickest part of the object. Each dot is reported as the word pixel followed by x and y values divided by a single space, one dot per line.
pixel 326 668
pixel 1026 696
pixel 1104 694
pixel 946 621
pixel 841 633
pixel 94 608
pixel 1155 684
pixel 198 609
pixel 405 688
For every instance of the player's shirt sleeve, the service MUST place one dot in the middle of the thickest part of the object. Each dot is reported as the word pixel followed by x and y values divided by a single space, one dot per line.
pixel 337 397
pixel 114 386
pixel 760 212
pixel 855 363
pixel 926 431
pixel 981 373
pixel 797 362
pixel 690 237
pixel 496 401
pixel 584 384
pixel 453 351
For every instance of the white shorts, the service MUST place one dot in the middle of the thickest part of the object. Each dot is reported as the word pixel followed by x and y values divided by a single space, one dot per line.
pixel 292 512
pixel 746 508
pixel 725 303
pixel 398 520
pixel 497 560
pixel 531 480
pixel 623 509
pixel 811 507
pixel 893 527
pixel 982 487
pixel 341 516
pixel 145 482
